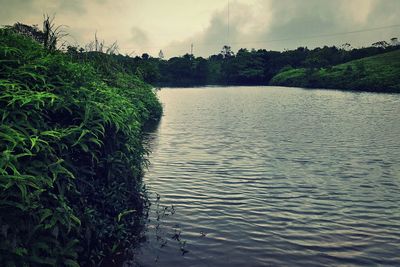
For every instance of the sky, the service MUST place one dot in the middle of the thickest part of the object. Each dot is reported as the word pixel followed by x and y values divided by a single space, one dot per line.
pixel 172 26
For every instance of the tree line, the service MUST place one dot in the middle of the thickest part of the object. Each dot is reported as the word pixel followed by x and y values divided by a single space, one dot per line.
pixel 245 67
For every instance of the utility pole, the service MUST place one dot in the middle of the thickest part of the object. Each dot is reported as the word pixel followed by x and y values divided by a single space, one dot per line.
pixel 229 11
pixel 191 49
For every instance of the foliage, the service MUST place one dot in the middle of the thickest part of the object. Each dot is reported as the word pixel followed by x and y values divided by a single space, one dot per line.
pixel 51 33
pixel 71 157
pixel 49 36
pixel 254 67
pixel 376 73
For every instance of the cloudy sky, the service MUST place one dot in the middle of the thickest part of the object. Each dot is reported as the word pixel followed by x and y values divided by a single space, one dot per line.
pixel 173 25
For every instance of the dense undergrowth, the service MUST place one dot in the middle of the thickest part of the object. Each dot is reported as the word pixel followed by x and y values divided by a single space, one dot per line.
pixel 380 73
pixel 71 157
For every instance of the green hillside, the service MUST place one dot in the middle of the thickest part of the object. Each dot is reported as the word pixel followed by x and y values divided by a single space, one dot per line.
pixel 376 73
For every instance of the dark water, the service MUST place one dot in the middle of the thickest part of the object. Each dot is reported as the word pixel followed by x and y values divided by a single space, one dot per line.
pixel 269 176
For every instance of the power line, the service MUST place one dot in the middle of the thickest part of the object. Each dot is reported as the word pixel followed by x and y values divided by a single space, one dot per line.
pixel 323 35
pixel 282 39
pixel 309 36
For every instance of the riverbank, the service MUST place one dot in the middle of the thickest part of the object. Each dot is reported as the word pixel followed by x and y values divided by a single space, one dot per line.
pixel 380 73
pixel 71 160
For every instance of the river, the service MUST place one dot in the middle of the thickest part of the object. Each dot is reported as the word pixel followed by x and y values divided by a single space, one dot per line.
pixel 273 176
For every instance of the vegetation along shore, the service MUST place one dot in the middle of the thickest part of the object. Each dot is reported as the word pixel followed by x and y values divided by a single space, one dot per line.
pixel 373 68
pixel 71 153
pixel 377 73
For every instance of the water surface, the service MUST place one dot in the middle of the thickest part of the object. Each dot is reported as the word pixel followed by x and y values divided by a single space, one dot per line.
pixel 271 176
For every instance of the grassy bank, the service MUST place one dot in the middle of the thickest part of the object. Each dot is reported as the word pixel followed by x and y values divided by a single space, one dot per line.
pixel 377 73
pixel 71 157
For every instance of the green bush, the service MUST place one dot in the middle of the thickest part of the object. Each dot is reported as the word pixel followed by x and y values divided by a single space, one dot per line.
pixel 71 157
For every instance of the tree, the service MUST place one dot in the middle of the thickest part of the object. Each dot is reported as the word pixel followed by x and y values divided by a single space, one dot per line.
pixel 227 52
pixel 145 56
pixel 72 51
pixel 381 44
pixel 161 55
pixel 346 47
pixel 394 41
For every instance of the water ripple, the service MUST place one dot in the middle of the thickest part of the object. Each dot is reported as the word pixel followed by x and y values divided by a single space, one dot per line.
pixel 269 176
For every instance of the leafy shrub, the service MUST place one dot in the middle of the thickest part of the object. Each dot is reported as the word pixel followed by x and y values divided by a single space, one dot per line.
pixel 71 157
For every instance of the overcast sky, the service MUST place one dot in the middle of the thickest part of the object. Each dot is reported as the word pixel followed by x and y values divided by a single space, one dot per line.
pixel 173 25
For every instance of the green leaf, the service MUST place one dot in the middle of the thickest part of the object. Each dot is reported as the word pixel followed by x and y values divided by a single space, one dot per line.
pixel 71 263
pixel 122 214
pixel 83 133
pixel 46 213
pixel 75 219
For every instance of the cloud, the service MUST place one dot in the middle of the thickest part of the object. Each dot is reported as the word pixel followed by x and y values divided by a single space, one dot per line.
pixel 280 24
pixel 21 9
pixel 73 6
pixel 173 25
pixel 13 11
pixel 139 37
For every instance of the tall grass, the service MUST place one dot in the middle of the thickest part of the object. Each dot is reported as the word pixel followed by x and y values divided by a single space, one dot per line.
pixel 71 157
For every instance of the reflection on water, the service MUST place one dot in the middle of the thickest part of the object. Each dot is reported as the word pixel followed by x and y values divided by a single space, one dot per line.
pixel 269 176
